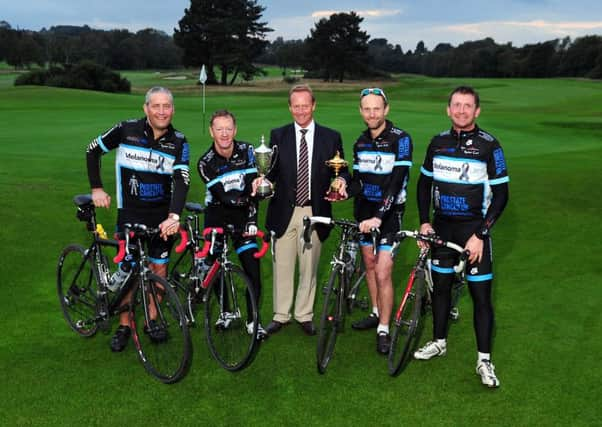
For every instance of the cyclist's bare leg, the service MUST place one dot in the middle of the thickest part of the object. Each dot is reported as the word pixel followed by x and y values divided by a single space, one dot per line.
pixel 370 264
pixel 161 271
pixel 384 283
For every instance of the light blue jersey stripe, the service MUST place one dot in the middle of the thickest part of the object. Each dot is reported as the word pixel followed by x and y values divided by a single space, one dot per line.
pixel 236 172
pixel 183 167
pixel 403 163
pixel 499 180
pixel 158 260
pixel 246 247
pixel 423 171
pixel 101 145
pixel 442 270
pixel 481 278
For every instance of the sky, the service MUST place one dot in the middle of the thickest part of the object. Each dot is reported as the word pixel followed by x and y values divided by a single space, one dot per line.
pixel 403 22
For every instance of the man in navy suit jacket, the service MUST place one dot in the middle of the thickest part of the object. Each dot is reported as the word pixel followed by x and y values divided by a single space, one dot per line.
pixel 285 211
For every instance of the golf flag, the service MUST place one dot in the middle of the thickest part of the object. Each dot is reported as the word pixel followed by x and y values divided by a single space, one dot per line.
pixel 203 79
pixel 203 75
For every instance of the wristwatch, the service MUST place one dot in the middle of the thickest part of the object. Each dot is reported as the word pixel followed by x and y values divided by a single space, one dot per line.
pixel 174 216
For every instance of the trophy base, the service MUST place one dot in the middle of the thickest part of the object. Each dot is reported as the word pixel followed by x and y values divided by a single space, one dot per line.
pixel 334 195
pixel 264 191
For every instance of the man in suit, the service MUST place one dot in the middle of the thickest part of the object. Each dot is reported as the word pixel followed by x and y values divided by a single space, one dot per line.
pixel 301 180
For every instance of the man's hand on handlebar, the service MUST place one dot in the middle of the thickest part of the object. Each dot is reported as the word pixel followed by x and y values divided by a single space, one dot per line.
pixel 366 225
pixel 425 228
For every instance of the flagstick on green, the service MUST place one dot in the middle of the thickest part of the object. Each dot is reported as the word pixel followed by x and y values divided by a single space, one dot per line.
pixel 203 80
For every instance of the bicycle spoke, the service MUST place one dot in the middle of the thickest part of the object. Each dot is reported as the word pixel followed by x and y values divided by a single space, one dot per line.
pixel 160 329
pixel 77 289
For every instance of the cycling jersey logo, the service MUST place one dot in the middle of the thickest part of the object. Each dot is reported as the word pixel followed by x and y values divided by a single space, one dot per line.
pixel 161 164
pixel 133 184
pixel 469 143
pixel 464 174
pixel 474 271
pixel 378 164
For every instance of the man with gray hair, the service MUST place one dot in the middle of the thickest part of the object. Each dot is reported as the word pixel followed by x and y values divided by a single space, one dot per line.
pixel 154 156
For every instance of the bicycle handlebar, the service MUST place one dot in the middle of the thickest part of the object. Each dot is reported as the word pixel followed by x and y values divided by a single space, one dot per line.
pixel 310 221
pixel 214 231
pixel 183 241
pixel 434 240
pixel 130 231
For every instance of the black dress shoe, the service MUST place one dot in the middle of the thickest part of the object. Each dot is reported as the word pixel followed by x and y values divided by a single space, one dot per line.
pixel 273 327
pixel 383 343
pixel 308 327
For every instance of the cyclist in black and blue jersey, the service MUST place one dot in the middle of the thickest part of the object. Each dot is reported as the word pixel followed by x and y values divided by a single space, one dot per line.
pixel 228 169
pixel 152 181
pixel 382 156
pixel 465 177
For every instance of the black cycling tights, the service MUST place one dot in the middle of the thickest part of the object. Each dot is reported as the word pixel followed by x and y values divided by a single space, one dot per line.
pixel 251 267
pixel 482 309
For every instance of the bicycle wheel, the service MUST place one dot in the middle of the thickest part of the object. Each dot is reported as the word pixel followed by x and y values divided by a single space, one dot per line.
pixel 77 289
pixel 183 278
pixel 331 320
pixel 231 318
pixel 406 325
pixel 159 329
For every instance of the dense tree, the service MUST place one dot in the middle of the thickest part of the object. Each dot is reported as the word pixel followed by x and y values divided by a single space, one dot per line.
pixel 337 47
pixel 227 34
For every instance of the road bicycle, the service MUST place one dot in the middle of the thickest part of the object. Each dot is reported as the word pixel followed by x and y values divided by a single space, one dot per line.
pixel 156 318
pixel 189 269
pixel 230 324
pixel 416 298
pixel 337 289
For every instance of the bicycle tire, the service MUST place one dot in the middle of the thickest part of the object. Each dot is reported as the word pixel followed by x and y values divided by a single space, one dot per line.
pixel 166 351
pixel 77 288
pixel 181 276
pixel 230 299
pixel 331 320
pixel 406 328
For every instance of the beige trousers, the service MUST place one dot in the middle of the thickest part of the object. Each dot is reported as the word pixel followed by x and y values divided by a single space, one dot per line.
pixel 288 248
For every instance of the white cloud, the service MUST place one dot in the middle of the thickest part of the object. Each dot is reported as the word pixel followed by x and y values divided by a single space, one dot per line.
pixel 507 28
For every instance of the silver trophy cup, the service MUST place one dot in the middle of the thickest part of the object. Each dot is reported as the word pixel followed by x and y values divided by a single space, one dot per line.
pixel 265 158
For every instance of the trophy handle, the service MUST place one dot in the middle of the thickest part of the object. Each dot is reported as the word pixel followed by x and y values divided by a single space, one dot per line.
pixel 274 159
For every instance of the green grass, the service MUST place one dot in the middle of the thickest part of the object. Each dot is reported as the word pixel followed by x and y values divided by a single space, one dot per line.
pixel 547 289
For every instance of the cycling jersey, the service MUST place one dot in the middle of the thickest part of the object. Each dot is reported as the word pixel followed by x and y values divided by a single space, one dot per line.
pixel 465 174
pixel 150 174
pixel 228 183
pixel 380 171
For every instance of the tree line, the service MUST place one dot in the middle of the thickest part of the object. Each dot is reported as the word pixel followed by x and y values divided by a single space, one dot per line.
pixel 229 37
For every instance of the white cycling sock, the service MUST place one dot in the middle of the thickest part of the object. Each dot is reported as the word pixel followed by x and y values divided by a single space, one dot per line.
pixel 483 356
pixel 382 328
pixel 375 311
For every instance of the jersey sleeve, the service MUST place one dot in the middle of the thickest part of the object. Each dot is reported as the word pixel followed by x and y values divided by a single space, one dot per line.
pixel 497 173
pixel 398 177
pixel 97 148
pixel 180 178
pixel 424 188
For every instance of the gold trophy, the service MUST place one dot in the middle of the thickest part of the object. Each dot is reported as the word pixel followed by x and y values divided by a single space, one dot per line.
pixel 336 163
pixel 265 158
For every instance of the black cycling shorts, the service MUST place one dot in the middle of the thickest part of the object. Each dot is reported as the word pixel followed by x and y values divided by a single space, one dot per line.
pixel 443 259
pixel 221 217
pixel 390 225
pixel 158 249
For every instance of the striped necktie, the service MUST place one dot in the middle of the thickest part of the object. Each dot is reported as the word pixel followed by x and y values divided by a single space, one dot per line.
pixel 302 172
